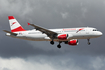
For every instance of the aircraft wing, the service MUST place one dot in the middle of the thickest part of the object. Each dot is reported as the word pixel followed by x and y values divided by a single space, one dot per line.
pixel 10 32
pixel 49 33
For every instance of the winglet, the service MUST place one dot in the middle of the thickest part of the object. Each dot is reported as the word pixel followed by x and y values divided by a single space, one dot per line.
pixel 28 23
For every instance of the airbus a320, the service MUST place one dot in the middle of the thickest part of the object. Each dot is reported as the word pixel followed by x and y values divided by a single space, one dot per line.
pixel 69 36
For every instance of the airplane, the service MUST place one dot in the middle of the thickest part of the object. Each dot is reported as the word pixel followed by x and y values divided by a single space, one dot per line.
pixel 69 36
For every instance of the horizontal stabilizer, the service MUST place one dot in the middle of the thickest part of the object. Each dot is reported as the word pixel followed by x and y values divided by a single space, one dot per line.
pixel 10 32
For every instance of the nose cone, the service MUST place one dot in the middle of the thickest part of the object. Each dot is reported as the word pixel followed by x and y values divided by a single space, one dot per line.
pixel 99 33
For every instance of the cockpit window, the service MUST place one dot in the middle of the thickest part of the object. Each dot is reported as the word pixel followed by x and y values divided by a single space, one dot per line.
pixel 94 29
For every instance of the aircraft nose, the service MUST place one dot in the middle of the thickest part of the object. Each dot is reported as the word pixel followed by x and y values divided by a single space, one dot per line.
pixel 100 33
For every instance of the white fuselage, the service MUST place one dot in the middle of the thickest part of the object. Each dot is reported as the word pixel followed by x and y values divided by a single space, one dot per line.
pixel 74 33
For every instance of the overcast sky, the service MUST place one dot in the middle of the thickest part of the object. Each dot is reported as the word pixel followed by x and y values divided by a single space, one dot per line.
pixel 16 54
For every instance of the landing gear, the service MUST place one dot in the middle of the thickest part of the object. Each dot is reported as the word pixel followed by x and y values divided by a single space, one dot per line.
pixel 52 42
pixel 66 42
pixel 88 41
pixel 59 46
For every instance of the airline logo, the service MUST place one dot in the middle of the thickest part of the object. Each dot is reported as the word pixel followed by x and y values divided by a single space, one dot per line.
pixel 79 30
pixel 13 23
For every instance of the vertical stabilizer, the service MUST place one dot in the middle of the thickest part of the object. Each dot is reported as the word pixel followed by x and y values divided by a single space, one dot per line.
pixel 14 25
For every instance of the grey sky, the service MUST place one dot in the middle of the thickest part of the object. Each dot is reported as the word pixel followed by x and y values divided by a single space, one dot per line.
pixel 52 14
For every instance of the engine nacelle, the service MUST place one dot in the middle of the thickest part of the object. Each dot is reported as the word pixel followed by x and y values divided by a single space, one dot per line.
pixel 62 36
pixel 73 42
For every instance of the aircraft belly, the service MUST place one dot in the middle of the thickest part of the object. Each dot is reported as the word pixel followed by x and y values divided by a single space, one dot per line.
pixel 35 36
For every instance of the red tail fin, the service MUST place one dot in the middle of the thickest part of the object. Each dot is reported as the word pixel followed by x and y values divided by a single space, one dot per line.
pixel 14 25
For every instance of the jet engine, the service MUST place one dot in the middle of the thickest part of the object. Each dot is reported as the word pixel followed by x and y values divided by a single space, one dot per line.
pixel 73 42
pixel 62 36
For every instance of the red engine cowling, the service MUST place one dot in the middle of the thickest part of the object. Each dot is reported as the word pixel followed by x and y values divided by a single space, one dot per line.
pixel 73 42
pixel 62 36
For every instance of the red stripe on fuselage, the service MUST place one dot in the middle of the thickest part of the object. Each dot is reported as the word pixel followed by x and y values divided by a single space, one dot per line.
pixel 18 29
